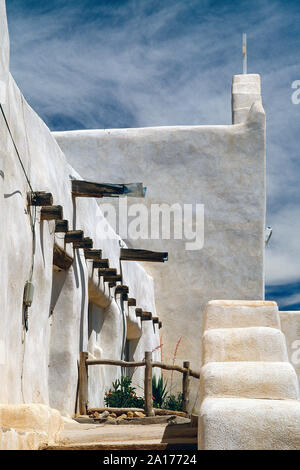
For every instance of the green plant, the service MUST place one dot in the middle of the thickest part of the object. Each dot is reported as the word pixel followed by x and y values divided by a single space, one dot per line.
pixel 173 402
pixel 122 395
pixel 159 391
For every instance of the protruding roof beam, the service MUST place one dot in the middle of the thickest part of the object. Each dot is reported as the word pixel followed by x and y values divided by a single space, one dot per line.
pixel 131 302
pixel 94 255
pixel 40 198
pixel 131 254
pixel 52 213
pixel 61 226
pixel 74 236
pixel 122 290
pixel 90 189
pixel 84 243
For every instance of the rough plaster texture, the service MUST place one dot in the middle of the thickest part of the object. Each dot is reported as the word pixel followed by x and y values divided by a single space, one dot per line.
pixel 253 404
pixel 40 366
pixel 222 167
pixel 290 325
pixel 240 314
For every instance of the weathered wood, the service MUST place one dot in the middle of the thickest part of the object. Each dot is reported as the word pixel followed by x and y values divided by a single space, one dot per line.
pixel 83 383
pixel 60 258
pixel 113 278
pixel 155 320
pixel 101 263
pixel 148 384
pixel 130 254
pixel 146 316
pixel 84 243
pixel 139 312
pixel 74 236
pixel 131 302
pixel 94 255
pixel 106 271
pixel 185 386
pixel 122 290
pixel 40 198
pixel 61 226
pixel 91 189
pixel 52 213
pixel 196 375
pixel 114 362
pixel 160 325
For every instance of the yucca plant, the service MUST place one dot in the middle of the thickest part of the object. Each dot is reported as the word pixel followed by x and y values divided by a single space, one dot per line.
pixel 159 391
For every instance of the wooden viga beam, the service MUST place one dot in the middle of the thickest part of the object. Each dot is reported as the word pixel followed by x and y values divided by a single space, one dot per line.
pixel 114 278
pixel 90 189
pixel 40 198
pixel 101 264
pixel 131 302
pixel 61 226
pixel 143 315
pixel 52 213
pixel 74 236
pixel 107 271
pixel 155 320
pixel 146 316
pixel 84 243
pixel 94 255
pixel 122 290
pixel 131 254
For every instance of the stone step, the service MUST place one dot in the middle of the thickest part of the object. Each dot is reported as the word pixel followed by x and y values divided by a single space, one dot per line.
pixel 240 314
pixel 244 344
pixel 249 424
pixel 273 380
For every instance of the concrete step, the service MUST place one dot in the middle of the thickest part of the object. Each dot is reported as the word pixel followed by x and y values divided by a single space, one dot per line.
pixel 249 424
pixel 240 314
pixel 244 344
pixel 112 437
pixel 269 380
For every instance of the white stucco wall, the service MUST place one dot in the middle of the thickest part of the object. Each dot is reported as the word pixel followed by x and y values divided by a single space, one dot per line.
pixel 40 365
pixel 222 167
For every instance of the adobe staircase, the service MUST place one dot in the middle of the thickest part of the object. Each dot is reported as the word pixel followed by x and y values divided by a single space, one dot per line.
pixel 248 389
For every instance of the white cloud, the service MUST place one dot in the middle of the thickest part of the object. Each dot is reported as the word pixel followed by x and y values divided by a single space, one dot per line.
pixel 93 64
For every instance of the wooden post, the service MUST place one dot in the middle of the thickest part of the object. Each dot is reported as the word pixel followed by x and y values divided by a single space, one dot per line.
pixel 185 387
pixel 83 383
pixel 148 384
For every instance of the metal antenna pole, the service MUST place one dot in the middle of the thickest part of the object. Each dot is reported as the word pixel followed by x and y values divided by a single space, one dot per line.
pixel 244 53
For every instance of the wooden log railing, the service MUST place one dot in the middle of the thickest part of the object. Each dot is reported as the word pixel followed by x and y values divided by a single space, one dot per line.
pixel 149 365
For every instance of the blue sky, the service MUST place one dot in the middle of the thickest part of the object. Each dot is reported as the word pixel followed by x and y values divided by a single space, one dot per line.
pixel 107 64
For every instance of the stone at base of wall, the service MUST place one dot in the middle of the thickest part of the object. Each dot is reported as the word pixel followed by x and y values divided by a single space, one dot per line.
pixel 28 427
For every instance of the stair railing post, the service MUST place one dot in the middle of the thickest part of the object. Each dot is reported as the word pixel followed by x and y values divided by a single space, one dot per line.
pixel 185 387
pixel 148 384
pixel 83 383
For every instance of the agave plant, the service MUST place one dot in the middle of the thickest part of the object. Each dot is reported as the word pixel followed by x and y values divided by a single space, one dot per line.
pixel 159 391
